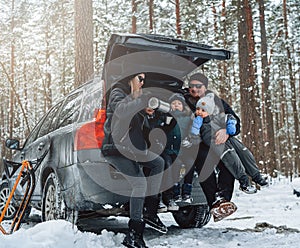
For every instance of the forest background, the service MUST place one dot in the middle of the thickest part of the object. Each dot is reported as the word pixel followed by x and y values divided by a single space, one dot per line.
pixel 50 47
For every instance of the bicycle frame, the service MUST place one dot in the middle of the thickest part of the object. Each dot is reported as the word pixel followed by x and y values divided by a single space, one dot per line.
pixel 27 172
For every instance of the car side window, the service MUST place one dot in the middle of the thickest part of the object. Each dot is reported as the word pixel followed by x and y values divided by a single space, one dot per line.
pixel 33 134
pixel 49 123
pixel 70 110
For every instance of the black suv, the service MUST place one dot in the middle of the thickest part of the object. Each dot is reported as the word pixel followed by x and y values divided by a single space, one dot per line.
pixel 73 176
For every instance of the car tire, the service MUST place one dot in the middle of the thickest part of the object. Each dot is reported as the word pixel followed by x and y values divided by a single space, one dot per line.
pixel 4 194
pixel 194 216
pixel 51 199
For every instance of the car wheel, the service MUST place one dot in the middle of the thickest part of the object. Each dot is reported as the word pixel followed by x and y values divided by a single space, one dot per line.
pixel 51 199
pixel 192 216
pixel 4 194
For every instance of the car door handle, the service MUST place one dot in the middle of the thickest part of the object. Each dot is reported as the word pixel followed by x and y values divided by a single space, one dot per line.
pixel 41 146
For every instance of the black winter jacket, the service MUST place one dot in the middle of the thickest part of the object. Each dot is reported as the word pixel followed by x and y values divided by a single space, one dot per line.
pixel 125 122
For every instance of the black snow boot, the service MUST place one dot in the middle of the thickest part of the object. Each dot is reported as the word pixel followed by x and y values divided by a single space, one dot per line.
pixel 246 186
pixel 260 180
pixel 134 238
pixel 150 214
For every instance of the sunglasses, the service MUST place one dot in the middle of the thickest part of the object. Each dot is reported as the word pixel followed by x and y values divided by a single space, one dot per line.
pixel 141 79
pixel 198 86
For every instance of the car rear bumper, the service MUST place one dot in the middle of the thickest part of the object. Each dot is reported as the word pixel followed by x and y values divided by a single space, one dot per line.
pixel 89 186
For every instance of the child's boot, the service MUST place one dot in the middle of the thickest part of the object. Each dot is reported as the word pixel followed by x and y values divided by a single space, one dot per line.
pixel 161 206
pixel 176 192
pixel 186 193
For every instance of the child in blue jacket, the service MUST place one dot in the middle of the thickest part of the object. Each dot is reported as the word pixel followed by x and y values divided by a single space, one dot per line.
pixel 235 156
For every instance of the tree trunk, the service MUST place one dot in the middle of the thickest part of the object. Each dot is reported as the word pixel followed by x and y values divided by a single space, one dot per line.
pixel 220 31
pixel 48 77
pixel 2 130
pixel 268 123
pixel 296 145
pixel 12 75
pixel 251 124
pixel 151 16
pixel 84 55
pixel 64 58
pixel 220 78
pixel 178 24
pixel 16 96
pixel 133 18
pixel 284 139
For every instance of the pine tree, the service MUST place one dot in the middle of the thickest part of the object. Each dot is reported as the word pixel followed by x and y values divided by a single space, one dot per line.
pixel 251 128
pixel 84 55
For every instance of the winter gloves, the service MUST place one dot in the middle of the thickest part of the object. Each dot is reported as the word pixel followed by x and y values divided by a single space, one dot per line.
pixel 194 137
pixel 197 123
pixel 230 124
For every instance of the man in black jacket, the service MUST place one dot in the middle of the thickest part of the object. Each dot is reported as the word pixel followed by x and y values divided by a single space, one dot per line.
pixel 217 184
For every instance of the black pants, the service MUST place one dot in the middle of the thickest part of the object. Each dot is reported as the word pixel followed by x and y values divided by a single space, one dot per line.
pixel 212 184
pixel 141 185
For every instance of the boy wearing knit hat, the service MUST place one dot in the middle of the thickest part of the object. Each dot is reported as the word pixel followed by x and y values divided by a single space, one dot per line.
pixel 175 155
pixel 235 158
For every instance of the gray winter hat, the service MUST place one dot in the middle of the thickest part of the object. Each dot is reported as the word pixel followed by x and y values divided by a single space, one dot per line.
pixel 207 103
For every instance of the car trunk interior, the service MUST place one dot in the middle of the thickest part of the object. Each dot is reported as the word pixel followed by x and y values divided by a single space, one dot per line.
pixel 166 61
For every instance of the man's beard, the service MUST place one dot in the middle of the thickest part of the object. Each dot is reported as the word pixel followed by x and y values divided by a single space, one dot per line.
pixel 195 92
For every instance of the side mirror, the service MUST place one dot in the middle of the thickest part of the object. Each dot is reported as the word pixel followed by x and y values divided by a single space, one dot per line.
pixel 12 144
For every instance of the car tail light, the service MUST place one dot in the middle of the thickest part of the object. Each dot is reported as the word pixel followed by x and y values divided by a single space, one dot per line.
pixel 90 135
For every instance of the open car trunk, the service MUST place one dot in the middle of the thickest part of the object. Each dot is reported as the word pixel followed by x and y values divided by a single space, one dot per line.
pixel 165 60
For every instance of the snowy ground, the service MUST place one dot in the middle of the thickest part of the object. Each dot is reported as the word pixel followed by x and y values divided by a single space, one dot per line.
pixel 270 218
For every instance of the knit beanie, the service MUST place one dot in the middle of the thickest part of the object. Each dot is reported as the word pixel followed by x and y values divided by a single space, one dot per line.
pixel 207 103
pixel 177 96
pixel 199 77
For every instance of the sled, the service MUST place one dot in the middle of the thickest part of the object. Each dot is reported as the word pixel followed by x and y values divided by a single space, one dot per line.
pixel 25 176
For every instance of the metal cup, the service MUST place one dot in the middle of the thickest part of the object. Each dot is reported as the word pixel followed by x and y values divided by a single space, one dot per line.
pixel 158 104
